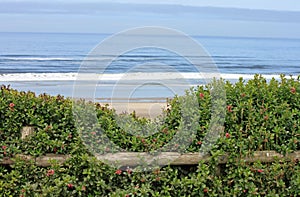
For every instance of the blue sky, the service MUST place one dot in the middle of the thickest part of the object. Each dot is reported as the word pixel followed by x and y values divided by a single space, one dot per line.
pixel 250 18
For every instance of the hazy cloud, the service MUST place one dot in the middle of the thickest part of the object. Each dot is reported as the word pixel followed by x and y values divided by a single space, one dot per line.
pixel 103 17
pixel 155 9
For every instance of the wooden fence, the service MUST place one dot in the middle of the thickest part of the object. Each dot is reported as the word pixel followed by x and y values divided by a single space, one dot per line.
pixel 164 158
pixel 137 158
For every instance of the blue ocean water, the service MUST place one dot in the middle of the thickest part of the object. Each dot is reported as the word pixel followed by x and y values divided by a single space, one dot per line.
pixel 63 53
pixel 55 57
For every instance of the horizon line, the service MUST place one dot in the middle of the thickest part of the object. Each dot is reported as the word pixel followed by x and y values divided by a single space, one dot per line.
pixel 191 35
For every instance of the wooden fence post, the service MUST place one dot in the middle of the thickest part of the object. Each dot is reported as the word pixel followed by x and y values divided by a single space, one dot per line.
pixel 26 131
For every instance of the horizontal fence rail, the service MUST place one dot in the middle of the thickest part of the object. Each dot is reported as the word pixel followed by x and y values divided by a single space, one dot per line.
pixel 164 158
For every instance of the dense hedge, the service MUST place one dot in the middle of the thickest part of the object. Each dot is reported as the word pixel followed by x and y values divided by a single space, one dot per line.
pixel 260 115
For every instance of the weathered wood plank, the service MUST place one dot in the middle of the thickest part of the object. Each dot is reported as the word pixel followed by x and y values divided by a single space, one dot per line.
pixel 164 158
pixel 135 158
pixel 46 160
pixel 263 156
pixel 43 161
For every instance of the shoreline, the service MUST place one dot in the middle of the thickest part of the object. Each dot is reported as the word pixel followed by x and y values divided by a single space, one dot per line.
pixel 124 77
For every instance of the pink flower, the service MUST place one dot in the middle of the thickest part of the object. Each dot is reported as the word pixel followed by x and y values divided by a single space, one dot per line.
pixel 70 185
pixel 4 147
pixel 293 90
pixel 11 105
pixel 227 135
pixel 50 172
pixel 118 172
pixel 260 170
pixel 201 95
pixel 229 108
pixel 205 190
pixel 199 143
pixel 129 171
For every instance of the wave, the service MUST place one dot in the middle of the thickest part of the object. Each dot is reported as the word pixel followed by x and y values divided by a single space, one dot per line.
pixel 124 76
pixel 37 59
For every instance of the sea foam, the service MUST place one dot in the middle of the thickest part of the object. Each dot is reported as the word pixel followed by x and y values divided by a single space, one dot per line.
pixel 122 76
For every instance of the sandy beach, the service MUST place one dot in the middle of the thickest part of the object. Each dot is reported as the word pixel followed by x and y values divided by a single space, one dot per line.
pixel 142 109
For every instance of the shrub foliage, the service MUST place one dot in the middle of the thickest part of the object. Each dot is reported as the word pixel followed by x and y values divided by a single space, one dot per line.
pixel 260 115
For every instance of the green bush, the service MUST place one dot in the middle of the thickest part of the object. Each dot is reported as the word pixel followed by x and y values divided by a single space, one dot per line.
pixel 260 115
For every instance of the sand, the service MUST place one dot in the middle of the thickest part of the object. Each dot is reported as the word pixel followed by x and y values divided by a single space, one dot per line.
pixel 142 109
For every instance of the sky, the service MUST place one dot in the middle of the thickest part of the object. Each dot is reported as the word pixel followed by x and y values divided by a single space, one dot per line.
pixel 243 18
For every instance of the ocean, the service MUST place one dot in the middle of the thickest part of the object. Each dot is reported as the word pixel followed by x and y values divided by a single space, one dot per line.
pixel 48 62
